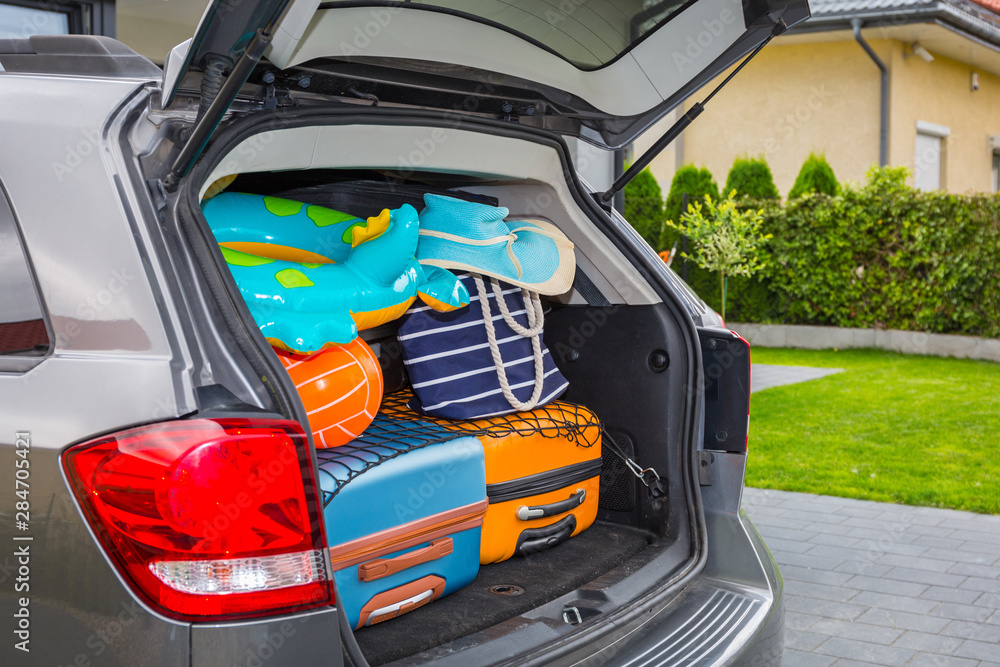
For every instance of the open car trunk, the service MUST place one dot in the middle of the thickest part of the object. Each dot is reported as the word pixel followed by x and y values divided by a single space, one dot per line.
pixel 625 349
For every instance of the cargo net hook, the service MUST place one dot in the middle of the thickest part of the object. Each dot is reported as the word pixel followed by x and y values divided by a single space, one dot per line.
pixel 648 476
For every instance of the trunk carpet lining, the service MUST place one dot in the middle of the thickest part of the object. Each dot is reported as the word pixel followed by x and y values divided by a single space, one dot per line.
pixel 543 576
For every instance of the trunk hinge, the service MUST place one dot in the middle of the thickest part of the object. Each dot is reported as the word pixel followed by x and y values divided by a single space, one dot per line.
pixel 208 119
pixel 675 130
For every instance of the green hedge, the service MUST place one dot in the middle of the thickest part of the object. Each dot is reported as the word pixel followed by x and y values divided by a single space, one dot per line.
pixel 644 206
pixel 693 182
pixel 878 255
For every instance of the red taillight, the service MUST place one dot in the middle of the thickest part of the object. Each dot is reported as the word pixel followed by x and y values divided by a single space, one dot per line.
pixel 208 518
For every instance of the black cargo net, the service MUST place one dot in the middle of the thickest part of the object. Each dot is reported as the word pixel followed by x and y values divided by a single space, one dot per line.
pixel 397 430
pixel 382 441
pixel 618 482
pixel 555 420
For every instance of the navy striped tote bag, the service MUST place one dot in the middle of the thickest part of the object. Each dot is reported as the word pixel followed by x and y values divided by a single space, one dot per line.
pixel 483 360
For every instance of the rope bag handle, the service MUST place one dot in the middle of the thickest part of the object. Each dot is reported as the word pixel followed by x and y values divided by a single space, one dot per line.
pixel 533 308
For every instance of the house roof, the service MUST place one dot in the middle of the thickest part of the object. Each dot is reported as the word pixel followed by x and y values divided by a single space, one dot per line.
pixel 979 20
pixel 828 7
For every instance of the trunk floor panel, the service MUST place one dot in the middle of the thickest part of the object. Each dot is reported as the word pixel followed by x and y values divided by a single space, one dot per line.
pixel 544 577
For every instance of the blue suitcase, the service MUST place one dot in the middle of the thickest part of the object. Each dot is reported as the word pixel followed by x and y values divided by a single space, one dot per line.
pixel 403 508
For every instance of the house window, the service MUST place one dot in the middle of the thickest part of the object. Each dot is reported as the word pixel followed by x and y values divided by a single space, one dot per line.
pixel 19 21
pixel 929 158
pixel 23 329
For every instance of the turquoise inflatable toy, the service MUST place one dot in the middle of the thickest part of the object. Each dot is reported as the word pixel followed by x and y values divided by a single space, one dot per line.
pixel 307 286
pixel 286 229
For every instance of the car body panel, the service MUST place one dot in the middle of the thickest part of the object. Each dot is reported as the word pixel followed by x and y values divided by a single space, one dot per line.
pixel 308 638
pixel 95 306
pixel 109 332
pixel 111 366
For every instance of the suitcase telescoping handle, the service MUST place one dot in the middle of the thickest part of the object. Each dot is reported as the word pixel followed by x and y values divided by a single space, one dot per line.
pixel 383 567
pixel 527 513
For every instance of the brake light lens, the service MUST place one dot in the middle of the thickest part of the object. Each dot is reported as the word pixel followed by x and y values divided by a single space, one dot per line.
pixel 208 518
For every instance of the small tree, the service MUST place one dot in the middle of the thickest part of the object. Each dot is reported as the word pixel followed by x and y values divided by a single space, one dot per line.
pixel 751 177
pixel 696 184
pixel 725 238
pixel 816 175
pixel 644 206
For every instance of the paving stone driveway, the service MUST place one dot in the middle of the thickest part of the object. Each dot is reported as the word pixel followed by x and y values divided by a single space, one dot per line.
pixel 875 583
pixel 766 376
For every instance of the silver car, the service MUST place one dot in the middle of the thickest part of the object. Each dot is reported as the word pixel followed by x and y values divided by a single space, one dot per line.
pixel 119 318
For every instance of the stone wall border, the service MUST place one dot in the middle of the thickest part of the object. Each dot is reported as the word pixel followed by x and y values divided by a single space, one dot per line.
pixel 910 342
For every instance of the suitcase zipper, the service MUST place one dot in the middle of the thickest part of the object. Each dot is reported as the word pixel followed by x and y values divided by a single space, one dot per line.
pixel 544 482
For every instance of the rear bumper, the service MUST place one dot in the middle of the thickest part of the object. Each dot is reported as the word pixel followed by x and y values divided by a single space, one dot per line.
pixel 307 638
pixel 713 621
pixel 710 623
pixel 733 613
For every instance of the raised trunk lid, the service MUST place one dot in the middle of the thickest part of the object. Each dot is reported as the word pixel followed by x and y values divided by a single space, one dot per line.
pixel 599 69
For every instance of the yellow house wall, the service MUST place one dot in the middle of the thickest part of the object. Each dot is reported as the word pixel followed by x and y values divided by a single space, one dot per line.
pixel 940 92
pixel 823 97
pixel 665 164
pixel 789 101
pixel 153 39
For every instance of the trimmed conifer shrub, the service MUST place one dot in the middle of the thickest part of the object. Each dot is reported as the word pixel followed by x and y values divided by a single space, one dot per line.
pixel 644 206
pixel 816 176
pixel 751 177
pixel 694 182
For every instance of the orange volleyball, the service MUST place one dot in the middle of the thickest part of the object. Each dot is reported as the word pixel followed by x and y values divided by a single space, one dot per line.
pixel 340 387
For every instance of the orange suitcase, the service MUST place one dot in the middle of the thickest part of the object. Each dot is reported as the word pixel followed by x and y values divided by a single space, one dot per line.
pixel 543 472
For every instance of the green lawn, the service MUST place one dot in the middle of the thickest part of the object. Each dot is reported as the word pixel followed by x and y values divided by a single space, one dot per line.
pixel 891 427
